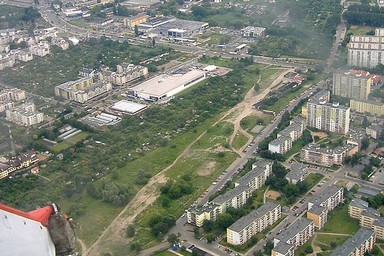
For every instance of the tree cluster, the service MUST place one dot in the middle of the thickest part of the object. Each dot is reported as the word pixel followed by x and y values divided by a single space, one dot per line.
pixel 108 191
pixel 160 224
pixel 364 15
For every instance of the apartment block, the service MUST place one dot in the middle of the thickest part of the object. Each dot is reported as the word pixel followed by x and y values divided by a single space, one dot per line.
pixel 41 49
pixel 374 131
pixel 329 199
pixel 315 154
pixel 378 228
pixel 366 50
pixel 298 172
pixel 25 114
pixel 368 216
pixel 256 221
pixel 12 94
pixel 360 243
pixel 251 31
pixel 236 197
pixel 6 61
pixel 283 249
pixel 285 138
pixel 6 105
pixel 319 215
pixel 280 145
pixel 355 207
pixel 327 116
pixel 368 107
pixel 125 73
pixel 296 234
pixel 353 84
pixel 82 89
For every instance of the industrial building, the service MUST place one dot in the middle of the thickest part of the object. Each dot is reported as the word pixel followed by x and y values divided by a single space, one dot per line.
pixel 128 107
pixel 165 86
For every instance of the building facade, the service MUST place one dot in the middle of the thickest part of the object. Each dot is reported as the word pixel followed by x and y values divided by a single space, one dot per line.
pixel 367 107
pixel 360 243
pixel 256 221
pixel 327 116
pixel 352 84
pixel 297 234
pixel 25 114
pixel 235 197
pixel 366 51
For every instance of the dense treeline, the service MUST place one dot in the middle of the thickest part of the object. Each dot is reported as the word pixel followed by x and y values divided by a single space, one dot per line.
pixel 365 15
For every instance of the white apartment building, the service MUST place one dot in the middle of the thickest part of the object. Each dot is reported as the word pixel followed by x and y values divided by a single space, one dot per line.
pixel 353 84
pixel 280 145
pixel 360 243
pixel 329 199
pixel 25 114
pixel 41 49
pixel 297 234
pixel 256 221
pixel 366 51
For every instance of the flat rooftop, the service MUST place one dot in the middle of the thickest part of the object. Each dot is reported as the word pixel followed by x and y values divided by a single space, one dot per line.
pixel 163 84
pixel 128 107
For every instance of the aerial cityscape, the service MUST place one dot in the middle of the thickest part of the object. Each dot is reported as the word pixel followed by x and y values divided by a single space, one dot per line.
pixel 192 127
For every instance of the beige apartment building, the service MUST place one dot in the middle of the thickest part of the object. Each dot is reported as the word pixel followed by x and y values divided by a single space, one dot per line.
pixel 360 243
pixel 297 234
pixel 367 107
pixel 353 84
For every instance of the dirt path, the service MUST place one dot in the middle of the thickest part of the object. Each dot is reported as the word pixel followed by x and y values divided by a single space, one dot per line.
pixel 82 245
pixel 145 197
pixel 115 232
pixel 245 108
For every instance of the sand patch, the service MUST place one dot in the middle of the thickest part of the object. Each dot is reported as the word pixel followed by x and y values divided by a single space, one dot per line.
pixel 207 169
pixel 321 135
pixel 271 194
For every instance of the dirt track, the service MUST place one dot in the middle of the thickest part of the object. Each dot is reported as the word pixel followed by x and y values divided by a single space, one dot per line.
pixel 115 232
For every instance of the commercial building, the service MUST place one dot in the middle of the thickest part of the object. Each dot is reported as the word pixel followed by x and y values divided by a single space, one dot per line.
pixel 256 221
pixel 367 107
pixel 128 107
pixel 360 243
pixel 133 21
pixel 98 119
pixel 329 198
pixel 251 31
pixel 25 114
pixel 235 197
pixel 297 234
pixel 353 84
pixel 165 86
pixel 366 51
pixel 82 89
pixel 327 116
pixel 315 154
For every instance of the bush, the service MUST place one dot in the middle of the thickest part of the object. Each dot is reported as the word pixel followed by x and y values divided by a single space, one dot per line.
pixel 130 231
pixel 309 249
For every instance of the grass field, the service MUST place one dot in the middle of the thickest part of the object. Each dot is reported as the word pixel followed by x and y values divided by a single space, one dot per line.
pixel 216 136
pixel 301 250
pixel 296 147
pixel 340 222
pixel 70 142
pixel 284 101
pixel 239 141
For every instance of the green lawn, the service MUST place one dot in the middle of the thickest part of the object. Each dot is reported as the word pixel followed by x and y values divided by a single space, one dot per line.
pixel 340 222
pixel 70 142
pixel 284 101
pixel 301 250
pixel 249 122
pixel 313 179
pixel 216 136
pixel 328 239
pixel 239 141
pixel 296 148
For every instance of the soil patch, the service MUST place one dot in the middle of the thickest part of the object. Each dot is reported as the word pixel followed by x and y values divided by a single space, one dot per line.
pixel 321 135
pixel 271 194
pixel 207 169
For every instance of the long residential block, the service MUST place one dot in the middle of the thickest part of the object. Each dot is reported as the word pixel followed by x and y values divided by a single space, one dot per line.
pixel 256 221
pixel 363 241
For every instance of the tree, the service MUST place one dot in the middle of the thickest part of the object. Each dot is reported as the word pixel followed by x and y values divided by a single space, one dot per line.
pixel 130 231
pixel 136 30
pixel 173 239
pixel 364 143
pixel 208 225
pixel 196 232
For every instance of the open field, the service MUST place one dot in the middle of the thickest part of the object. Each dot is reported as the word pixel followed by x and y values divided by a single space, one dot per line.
pixel 70 142
pixel 339 220
pixel 239 141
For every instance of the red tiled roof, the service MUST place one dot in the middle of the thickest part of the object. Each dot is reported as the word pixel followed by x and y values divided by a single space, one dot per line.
pixel 41 215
